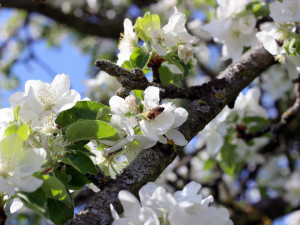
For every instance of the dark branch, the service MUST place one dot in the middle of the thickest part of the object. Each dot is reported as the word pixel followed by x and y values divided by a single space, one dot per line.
pixel 104 28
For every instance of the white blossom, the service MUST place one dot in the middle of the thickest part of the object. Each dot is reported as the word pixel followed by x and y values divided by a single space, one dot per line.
pixel 18 165
pixel 293 218
pixel 229 8
pixel 285 11
pixel 276 82
pixel 248 104
pixel 292 188
pixel 42 100
pixel 185 53
pixel 127 42
pixel 134 213
pixel 268 36
pixel 171 34
pixel 214 132
pixel 234 32
pixel 186 206
pixel 164 123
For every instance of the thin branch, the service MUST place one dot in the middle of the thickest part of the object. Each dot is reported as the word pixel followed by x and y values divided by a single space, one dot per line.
pixel 149 164
pixel 104 28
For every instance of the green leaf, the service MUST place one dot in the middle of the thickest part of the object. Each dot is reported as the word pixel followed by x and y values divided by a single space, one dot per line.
pixel 72 178
pixel 55 189
pixel 165 75
pixel 255 119
pixel 78 180
pixel 59 213
pixel 104 114
pixel 79 161
pixel 83 149
pixel 127 65
pixel 144 26
pixel 35 200
pixel 84 110
pixel 209 164
pixel 16 112
pixel 139 94
pixel 228 157
pixel 139 58
pixel 91 130
pixel 20 129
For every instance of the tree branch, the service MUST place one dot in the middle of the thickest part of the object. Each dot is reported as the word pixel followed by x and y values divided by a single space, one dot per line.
pixel 104 28
pixel 149 164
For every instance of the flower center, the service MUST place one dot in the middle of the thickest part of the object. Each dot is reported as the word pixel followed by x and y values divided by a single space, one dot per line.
pixel 48 100
pixel 7 164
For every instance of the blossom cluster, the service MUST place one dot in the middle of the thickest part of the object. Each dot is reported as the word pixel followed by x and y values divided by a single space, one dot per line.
pixel 236 26
pixel 173 39
pixel 234 121
pixel 142 125
pixel 22 153
pixel 157 206
pixel 280 37
pixel 233 28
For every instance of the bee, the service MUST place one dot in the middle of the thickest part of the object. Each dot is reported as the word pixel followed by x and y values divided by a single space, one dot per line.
pixel 155 112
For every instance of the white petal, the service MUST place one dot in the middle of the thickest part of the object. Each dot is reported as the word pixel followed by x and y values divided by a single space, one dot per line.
pixel 16 99
pixel 5 187
pixel 177 137
pixel 130 204
pixel 27 184
pixel 33 101
pixel 16 205
pixel 114 148
pixel 163 121
pixel 118 105
pixel 61 84
pixel 147 130
pixel 163 140
pixel 151 97
pixel 30 161
pixel 114 213
pixel 180 116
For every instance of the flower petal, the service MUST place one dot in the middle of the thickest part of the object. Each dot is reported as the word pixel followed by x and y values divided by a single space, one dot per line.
pixel 180 116
pixel 151 97
pixel 177 137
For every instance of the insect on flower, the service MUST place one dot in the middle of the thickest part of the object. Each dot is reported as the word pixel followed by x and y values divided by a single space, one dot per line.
pixel 155 112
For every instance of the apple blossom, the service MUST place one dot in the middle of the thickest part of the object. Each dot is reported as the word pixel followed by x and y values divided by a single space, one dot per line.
pixel 292 188
pixel 17 165
pixel 42 100
pixel 127 43
pixel 285 11
pixel 248 104
pixel 276 82
pixel 134 213
pixel 234 32
pixel 162 126
pixel 186 206
pixel 214 132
